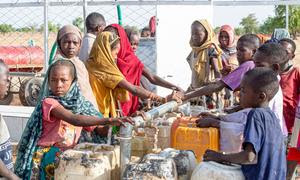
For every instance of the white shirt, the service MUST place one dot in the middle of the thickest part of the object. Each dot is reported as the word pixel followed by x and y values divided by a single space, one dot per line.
pixel 276 105
pixel 86 46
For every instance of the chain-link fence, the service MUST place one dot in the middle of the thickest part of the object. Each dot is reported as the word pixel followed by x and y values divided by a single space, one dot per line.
pixel 28 30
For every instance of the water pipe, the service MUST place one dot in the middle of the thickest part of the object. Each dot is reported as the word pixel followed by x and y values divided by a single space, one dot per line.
pixel 119 14
pixel 126 131
pixel 52 53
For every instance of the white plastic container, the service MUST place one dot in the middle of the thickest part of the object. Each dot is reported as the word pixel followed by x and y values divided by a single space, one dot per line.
pixel 112 152
pixel 215 171
pixel 185 162
pixel 152 167
pixel 164 137
pixel 79 165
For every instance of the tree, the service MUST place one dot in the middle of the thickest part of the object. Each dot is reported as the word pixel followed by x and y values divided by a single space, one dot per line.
pixel 79 23
pixel 31 28
pixel 52 27
pixel 217 29
pixel 5 28
pixel 239 31
pixel 249 24
pixel 278 21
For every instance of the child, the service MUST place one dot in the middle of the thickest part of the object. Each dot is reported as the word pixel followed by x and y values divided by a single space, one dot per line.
pixel 95 24
pixel 290 84
pixel 263 155
pixel 6 164
pixel 229 60
pixel 273 55
pixel 246 47
pixel 56 123
pixel 146 33
pixel 204 59
pixel 226 40
pixel 134 38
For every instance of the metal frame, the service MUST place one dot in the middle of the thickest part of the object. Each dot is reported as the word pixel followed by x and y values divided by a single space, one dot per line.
pixel 86 3
pixel 155 2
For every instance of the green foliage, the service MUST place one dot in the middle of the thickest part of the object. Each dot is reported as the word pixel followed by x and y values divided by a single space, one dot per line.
pixel 278 21
pixel 79 23
pixel 239 31
pixel 217 30
pixel 32 28
pixel 52 27
pixel 5 28
pixel 249 24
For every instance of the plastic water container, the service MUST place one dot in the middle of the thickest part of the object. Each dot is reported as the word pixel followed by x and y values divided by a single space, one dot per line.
pixel 164 137
pixel 196 139
pixel 87 165
pixel 215 171
pixel 112 152
pixel 185 162
pixel 152 167
pixel 181 121
pixel 231 137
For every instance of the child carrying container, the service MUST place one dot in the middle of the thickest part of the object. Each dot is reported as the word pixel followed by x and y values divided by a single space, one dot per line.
pixel 263 155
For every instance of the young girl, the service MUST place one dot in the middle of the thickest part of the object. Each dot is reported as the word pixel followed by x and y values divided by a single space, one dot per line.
pixel 69 40
pixel 205 58
pixel 229 60
pixel 56 123
pixel 132 69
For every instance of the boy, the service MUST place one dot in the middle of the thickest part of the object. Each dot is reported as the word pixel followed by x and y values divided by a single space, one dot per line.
pixel 273 55
pixel 263 155
pixel 6 164
pixel 290 84
pixel 246 47
pixel 95 24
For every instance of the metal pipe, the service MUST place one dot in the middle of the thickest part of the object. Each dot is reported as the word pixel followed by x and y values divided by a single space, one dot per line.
pixel 45 35
pixel 84 6
pixel 126 131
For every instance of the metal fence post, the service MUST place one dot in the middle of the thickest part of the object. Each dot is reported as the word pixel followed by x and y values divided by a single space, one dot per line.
pixel 46 3
pixel 84 6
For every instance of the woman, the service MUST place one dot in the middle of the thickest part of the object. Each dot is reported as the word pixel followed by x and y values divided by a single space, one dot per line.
pixel 107 81
pixel 132 69
pixel 69 40
pixel 56 123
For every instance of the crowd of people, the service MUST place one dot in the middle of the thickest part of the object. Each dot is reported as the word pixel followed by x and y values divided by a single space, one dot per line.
pixel 95 83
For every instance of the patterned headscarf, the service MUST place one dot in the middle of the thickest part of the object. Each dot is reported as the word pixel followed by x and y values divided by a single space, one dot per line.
pixel 73 101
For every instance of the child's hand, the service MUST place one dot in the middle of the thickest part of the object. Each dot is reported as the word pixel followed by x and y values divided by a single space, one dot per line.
pixel 208 122
pixel 211 155
pixel 208 114
pixel 120 121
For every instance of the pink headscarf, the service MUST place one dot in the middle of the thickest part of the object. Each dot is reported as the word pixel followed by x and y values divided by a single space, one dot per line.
pixel 230 31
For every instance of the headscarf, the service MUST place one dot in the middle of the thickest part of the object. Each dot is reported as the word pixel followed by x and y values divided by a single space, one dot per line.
pixel 202 51
pixel 83 77
pixel 280 33
pixel 230 31
pixel 229 52
pixel 131 67
pixel 73 101
pixel 263 38
pixel 102 66
pixel 152 25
